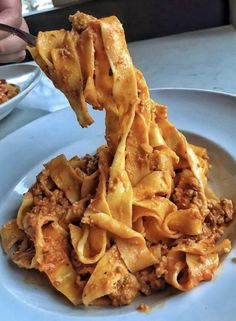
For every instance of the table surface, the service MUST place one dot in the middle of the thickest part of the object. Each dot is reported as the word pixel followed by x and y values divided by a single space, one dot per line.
pixel 204 59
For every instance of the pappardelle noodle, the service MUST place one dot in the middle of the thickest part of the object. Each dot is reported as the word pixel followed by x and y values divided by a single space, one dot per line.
pixel 136 216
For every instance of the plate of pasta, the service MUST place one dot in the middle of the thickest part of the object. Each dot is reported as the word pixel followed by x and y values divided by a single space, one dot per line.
pixel 31 295
pixel 132 214
pixel 17 80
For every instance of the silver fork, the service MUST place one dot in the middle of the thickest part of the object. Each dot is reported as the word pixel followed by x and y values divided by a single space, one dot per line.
pixel 27 37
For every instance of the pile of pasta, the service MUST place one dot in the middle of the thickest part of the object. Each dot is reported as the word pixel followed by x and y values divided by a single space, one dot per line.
pixel 138 215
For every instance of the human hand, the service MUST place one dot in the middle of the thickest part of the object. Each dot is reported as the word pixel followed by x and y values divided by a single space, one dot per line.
pixel 12 48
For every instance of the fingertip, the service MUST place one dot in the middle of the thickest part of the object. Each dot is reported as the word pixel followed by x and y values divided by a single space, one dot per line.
pixel 20 56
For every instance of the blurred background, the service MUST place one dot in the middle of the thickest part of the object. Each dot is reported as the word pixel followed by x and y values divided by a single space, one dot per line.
pixel 141 19
pixel 176 43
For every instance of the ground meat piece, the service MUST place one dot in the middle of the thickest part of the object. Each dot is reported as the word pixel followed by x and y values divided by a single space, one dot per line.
pixel 37 192
pixel 143 307
pixel 220 214
pixel 89 163
pixel 92 164
pixel 187 193
pixel 161 267
pixel 125 290
pixel 80 21
pixel 56 206
pixel 149 280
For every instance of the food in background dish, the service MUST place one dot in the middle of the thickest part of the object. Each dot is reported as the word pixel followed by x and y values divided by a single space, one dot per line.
pixel 136 216
pixel 7 91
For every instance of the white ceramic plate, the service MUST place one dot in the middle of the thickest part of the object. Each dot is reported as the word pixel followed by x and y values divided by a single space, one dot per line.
pixel 25 76
pixel 208 119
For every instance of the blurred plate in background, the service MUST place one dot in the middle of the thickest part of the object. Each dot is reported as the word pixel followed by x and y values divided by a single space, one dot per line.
pixel 25 76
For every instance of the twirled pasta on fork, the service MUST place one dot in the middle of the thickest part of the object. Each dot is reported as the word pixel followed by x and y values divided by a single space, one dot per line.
pixel 136 216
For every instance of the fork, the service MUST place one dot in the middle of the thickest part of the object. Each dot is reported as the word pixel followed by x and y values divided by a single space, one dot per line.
pixel 27 37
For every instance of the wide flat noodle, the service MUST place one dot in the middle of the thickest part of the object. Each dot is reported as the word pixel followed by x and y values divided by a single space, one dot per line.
pixel 189 264
pixel 65 177
pixel 56 263
pixel 10 235
pixel 108 272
